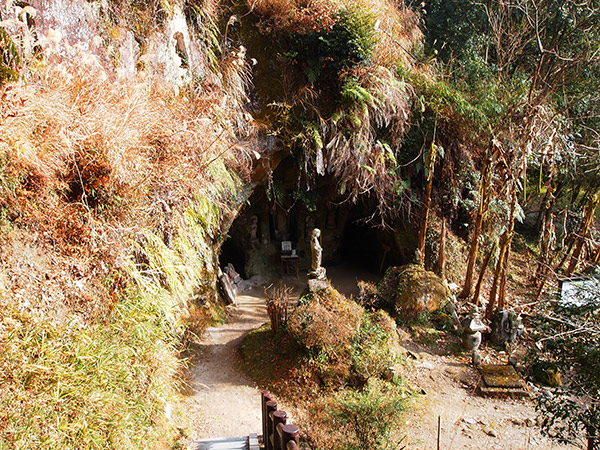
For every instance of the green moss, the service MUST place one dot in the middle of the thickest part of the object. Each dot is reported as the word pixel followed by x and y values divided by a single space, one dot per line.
pixel 10 60
pixel 409 291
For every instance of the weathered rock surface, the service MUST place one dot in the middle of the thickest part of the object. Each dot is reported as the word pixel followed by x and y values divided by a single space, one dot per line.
pixel 411 290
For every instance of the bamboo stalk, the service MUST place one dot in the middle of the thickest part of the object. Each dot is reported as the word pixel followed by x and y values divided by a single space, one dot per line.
pixel 441 261
pixel 579 241
pixel 481 212
pixel 484 265
pixel 426 203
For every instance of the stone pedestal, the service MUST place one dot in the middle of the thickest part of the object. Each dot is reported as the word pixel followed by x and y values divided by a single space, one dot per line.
pixel 317 280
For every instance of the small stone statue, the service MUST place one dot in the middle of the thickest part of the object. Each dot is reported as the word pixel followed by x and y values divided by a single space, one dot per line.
pixel 472 329
pixel 253 228
pixel 317 280
pixel 316 250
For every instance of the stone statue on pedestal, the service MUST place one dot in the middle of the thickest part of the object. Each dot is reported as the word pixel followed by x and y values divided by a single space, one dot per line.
pixel 317 279
pixel 316 250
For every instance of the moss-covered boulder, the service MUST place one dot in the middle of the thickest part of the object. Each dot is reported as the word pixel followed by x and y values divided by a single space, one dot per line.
pixel 409 291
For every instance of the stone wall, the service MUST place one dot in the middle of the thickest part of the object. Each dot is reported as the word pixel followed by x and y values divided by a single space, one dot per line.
pixel 120 43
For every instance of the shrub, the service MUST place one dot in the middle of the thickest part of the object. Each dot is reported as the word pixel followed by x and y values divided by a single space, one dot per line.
pixel 345 344
pixel 369 416
pixel 348 43
pixel 372 354
pixel 325 325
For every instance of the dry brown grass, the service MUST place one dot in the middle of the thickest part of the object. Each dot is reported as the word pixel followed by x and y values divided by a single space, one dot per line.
pixel 75 141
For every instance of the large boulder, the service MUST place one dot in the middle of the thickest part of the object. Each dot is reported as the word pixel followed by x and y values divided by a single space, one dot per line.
pixel 409 291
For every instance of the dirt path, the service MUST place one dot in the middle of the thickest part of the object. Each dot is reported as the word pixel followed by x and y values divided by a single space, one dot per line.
pixel 225 402
pixel 222 401
pixel 445 388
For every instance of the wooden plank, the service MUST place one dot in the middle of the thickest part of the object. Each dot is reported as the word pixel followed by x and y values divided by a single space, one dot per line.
pixel 253 442
pixel 235 443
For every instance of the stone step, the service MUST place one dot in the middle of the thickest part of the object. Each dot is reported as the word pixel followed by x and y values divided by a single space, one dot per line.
pixel 234 443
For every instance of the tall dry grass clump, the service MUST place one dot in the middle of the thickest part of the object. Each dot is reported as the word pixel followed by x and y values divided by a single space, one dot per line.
pixel 83 141
pixel 278 299
pixel 112 193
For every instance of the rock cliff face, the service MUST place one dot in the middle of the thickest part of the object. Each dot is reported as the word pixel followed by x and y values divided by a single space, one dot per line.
pixel 123 38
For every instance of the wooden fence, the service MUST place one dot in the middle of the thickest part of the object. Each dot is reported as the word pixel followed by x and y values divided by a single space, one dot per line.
pixel 277 433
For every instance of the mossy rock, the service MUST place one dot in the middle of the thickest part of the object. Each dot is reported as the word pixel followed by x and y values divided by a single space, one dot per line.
pixel 546 372
pixel 409 291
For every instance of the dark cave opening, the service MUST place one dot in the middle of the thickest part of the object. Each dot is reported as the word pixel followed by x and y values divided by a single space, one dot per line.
pixel 360 246
pixel 233 253
pixel 280 211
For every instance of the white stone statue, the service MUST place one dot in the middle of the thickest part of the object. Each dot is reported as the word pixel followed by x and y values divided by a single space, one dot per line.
pixel 316 250
pixel 317 278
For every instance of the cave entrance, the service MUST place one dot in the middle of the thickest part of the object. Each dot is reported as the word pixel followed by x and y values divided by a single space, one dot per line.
pixel 361 247
pixel 232 252
pixel 280 213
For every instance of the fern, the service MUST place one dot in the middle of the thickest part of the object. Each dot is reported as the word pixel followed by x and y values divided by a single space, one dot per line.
pixel 389 154
pixel 9 58
pixel 312 135
pixel 355 93
pixel 312 72
pixel 354 120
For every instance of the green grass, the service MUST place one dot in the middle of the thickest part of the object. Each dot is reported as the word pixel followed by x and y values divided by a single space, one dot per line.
pixel 102 385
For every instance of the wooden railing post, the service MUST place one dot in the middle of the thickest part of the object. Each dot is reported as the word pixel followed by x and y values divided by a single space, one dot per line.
pixel 279 418
pixel 289 436
pixel 271 407
pixel 265 396
pixel 277 433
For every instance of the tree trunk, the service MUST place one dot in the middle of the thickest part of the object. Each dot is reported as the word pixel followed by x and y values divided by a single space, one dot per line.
pixel 545 245
pixel 589 217
pixel 481 212
pixel 484 265
pixel 441 261
pixel 506 261
pixel 563 236
pixel 541 215
pixel 430 165
pixel 493 292
pixel 547 234
pixel 569 242
pixel 504 274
